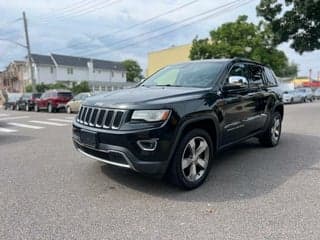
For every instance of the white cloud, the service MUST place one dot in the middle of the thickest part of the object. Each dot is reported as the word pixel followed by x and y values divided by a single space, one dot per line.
pixel 53 29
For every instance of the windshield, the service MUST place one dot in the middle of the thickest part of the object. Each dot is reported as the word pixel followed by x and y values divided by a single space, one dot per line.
pixel 199 74
pixel 13 96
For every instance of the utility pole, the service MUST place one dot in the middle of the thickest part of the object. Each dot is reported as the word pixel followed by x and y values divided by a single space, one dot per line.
pixel 29 51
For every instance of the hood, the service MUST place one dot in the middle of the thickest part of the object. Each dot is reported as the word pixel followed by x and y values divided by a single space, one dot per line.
pixel 133 97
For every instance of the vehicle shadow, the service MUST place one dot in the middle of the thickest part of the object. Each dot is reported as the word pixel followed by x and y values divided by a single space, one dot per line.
pixel 245 171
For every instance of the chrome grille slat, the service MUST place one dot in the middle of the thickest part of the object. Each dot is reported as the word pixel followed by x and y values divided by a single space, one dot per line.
pixel 87 117
pixel 101 117
pixel 85 109
pixel 93 116
pixel 79 114
pixel 108 119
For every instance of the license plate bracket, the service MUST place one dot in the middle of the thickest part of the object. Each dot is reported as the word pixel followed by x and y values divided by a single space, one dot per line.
pixel 88 138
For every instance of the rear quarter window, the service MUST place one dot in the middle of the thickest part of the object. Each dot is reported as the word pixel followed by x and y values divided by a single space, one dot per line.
pixel 270 77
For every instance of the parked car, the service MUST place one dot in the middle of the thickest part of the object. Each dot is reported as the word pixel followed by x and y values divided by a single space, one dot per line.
pixel 53 100
pixel 307 94
pixel 292 96
pixel 174 122
pixel 316 94
pixel 26 101
pixel 12 101
pixel 74 104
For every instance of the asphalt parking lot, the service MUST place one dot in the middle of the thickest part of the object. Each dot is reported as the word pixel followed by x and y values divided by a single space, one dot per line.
pixel 49 191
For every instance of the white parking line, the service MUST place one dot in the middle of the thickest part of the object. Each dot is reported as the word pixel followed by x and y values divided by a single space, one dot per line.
pixel 7 130
pixel 61 120
pixel 25 125
pixel 49 123
pixel 71 118
pixel 13 118
pixel 4 115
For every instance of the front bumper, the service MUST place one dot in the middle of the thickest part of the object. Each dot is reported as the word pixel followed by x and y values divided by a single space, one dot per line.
pixel 286 100
pixel 121 148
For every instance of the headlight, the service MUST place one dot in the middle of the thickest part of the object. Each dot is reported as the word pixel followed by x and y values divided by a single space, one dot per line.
pixel 151 115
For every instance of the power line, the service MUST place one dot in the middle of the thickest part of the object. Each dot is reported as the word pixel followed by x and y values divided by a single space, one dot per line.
pixel 172 24
pixel 173 30
pixel 89 9
pixel 101 37
pixel 68 9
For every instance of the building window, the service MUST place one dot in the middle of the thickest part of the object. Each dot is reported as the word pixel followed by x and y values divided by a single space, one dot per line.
pixel 51 69
pixel 70 70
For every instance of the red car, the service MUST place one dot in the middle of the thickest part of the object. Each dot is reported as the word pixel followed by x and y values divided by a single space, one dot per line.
pixel 53 100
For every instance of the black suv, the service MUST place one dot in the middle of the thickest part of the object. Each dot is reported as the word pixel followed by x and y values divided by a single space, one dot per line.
pixel 26 102
pixel 174 122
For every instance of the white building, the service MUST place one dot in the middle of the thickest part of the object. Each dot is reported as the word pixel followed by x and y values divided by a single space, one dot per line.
pixel 101 74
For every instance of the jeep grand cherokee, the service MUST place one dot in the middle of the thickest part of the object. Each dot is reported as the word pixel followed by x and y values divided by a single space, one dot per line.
pixel 174 122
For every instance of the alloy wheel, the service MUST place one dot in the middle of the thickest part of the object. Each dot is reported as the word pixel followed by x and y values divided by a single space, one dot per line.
pixel 276 129
pixel 195 159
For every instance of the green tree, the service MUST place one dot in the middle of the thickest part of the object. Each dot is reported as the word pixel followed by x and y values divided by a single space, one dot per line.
pixel 81 87
pixel 296 21
pixel 134 71
pixel 246 40
pixel 41 87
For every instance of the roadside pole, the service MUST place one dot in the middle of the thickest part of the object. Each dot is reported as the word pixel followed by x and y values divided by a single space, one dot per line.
pixel 29 51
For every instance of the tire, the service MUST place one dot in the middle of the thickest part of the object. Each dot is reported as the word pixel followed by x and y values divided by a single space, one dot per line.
pixel 36 108
pixel 291 101
pixel 194 172
pixel 271 137
pixel 305 100
pixel 50 108
pixel 69 110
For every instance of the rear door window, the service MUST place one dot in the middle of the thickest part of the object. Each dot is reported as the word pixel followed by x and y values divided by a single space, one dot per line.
pixel 255 76
pixel 64 94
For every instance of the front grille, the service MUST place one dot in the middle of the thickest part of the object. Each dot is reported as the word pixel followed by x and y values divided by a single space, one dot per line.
pixel 101 117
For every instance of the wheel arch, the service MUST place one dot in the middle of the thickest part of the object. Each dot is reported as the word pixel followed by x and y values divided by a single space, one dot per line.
pixel 209 123
pixel 279 108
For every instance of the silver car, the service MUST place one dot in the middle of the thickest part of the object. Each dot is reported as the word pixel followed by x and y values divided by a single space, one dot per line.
pixel 316 94
pixel 293 96
pixel 306 93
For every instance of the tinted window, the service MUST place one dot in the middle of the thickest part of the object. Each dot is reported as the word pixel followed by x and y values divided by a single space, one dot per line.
pixel 240 70
pixel 37 95
pixel 255 75
pixel 270 77
pixel 65 94
pixel 194 74
pixel 26 96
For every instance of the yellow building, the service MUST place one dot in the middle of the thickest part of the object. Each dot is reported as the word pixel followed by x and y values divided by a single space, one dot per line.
pixel 162 58
pixel 298 82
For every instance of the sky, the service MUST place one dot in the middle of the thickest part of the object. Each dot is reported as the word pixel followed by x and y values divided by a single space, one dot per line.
pixel 120 29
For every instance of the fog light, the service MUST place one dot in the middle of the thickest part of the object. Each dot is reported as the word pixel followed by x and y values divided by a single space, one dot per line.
pixel 148 145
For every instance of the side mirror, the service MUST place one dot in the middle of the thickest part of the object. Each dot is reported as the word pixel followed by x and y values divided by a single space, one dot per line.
pixel 236 83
